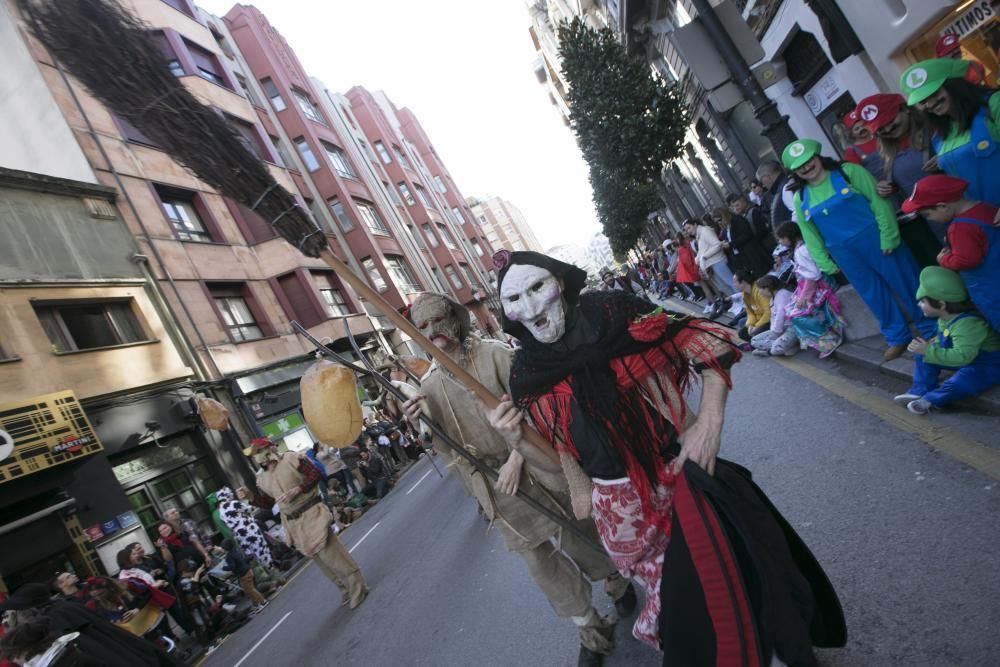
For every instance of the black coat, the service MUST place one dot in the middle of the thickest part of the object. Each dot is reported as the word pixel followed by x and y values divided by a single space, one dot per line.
pixel 756 590
pixel 104 641
pixel 746 251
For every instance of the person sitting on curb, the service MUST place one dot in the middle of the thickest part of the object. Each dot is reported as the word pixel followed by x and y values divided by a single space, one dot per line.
pixel 964 342
pixel 973 239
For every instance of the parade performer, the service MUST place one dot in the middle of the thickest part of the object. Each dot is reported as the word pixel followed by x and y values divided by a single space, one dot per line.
pixel 602 376
pixel 847 226
pixel 238 517
pixel 965 118
pixel 290 480
pixel 562 571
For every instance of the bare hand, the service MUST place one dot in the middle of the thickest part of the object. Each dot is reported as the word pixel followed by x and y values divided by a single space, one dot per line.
pixel 885 188
pixel 129 615
pixel 509 476
pixel 160 583
pixel 288 495
pixel 411 409
pixel 918 346
pixel 700 443
pixel 160 544
pixel 506 419
pixel 931 165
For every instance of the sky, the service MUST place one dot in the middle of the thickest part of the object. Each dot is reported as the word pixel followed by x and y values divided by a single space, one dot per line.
pixel 464 67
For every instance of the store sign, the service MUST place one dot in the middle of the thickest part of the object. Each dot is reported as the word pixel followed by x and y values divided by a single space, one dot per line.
pixel 127 520
pixel 279 427
pixel 823 93
pixel 972 18
pixel 94 533
pixel 43 432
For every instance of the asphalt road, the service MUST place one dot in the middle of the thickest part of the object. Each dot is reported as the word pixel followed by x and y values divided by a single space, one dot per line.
pixel 908 534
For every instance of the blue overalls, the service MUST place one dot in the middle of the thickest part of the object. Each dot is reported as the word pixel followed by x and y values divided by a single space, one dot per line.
pixel 886 283
pixel 977 377
pixel 983 281
pixel 977 162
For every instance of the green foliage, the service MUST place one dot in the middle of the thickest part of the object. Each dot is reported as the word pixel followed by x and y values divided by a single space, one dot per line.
pixel 628 124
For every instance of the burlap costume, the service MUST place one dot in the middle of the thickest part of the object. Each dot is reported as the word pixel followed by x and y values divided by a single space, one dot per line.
pixel 309 532
pixel 563 575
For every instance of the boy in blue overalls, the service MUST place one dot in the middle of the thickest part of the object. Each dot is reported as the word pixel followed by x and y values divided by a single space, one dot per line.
pixel 964 343
pixel 973 248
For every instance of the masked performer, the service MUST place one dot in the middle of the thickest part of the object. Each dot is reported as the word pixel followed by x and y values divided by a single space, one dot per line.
pixel 602 375
pixel 291 479
pixel 563 575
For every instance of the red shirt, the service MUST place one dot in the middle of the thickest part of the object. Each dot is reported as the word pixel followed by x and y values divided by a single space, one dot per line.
pixel 967 241
pixel 858 152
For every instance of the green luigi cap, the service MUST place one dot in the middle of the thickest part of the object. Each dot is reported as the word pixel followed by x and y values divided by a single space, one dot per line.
pixel 922 80
pixel 799 152
pixel 941 284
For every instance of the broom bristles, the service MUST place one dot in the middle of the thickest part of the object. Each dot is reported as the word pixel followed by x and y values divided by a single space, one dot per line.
pixel 117 58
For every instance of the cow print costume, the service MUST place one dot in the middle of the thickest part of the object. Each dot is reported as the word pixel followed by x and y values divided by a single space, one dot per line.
pixel 238 515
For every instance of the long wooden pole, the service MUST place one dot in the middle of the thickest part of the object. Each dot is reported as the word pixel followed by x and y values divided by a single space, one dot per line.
pixel 463 376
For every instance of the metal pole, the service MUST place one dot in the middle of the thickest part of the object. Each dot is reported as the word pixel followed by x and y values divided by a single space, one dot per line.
pixel 776 127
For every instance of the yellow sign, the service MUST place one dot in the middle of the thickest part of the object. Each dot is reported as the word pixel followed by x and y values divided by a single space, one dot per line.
pixel 46 431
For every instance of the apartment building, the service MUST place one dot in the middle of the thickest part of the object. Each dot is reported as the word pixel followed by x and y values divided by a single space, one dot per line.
pixel 504 224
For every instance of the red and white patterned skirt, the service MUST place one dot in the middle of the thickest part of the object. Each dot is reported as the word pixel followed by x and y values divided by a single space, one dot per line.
pixel 636 546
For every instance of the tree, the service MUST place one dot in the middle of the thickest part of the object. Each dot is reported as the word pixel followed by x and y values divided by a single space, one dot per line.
pixel 628 123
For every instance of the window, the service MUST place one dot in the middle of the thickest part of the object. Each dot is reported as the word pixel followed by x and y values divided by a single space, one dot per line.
pixel 236 312
pixel 429 233
pixel 282 158
pixel 478 248
pixel 383 153
pixel 312 164
pixel 180 5
pixel 469 275
pixel 374 276
pixel 255 229
pixel 402 273
pixel 89 325
pixel 449 271
pixel 399 156
pixel 339 161
pixel 249 137
pixel 247 90
pixel 179 206
pixel 440 185
pixel 405 192
pixel 366 149
pixel 308 108
pixel 272 93
pixel 206 64
pixel 417 239
pixel 333 298
pixel 372 219
pixel 343 220
pixel 424 199
pixel 806 61
pixel 173 63
pixel 132 133
pixel 449 240
pixel 392 194
pixel 456 213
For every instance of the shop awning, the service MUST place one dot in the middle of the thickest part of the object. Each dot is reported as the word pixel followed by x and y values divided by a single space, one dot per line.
pixel 271 377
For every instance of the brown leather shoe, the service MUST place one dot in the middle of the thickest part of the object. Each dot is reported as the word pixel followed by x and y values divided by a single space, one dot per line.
pixel 894 352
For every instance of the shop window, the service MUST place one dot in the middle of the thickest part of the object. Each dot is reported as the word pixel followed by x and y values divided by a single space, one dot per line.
pixel 453 277
pixel 372 219
pixel 186 213
pixel 806 61
pixel 89 325
pixel 271 90
pixel 238 311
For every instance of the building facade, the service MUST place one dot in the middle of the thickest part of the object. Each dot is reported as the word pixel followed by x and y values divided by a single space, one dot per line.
pixel 504 224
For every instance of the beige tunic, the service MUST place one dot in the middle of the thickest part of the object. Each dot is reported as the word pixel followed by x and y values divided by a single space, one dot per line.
pixel 461 415
pixel 309 532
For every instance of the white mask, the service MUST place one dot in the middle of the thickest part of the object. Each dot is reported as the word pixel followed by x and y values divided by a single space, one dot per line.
pixel 533 296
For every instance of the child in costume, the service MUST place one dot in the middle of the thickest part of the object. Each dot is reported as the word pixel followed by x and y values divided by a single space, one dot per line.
pixel 780 338
pixel 964 342
pixel 973 240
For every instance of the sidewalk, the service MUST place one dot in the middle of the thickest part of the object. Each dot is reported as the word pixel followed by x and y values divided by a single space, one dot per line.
pixel 863 346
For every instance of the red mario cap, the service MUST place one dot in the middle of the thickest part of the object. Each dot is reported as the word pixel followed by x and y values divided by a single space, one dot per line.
pixel 946 45
pixel 877 111
pixel 932 190
pixel 850 119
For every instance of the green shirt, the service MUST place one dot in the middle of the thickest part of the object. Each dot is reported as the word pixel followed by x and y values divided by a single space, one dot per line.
pixel 969 337
pixel 864 184
pixel 956 139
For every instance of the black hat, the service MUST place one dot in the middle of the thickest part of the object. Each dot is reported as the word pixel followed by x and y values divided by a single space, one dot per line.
pixel 27 596
pixel 574 279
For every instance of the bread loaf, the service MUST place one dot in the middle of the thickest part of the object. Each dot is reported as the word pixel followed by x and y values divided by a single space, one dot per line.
pixel 330 404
